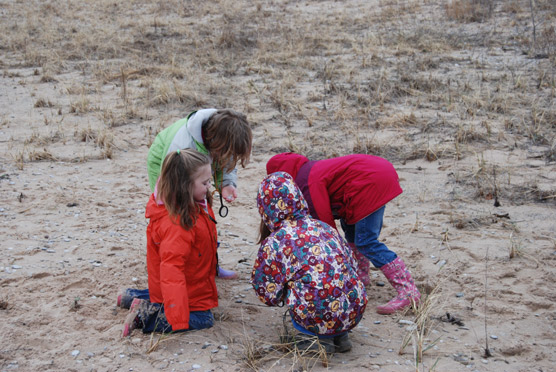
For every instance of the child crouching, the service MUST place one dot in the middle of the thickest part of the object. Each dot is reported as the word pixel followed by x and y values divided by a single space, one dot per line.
pixel 305 264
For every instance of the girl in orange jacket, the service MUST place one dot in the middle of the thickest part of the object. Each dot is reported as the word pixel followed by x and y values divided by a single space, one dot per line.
pixel 181 251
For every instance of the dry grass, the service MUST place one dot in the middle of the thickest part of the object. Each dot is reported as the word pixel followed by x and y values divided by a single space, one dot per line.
pixel 103 139
pixel 470 10
pixel 286 355
pixel 418 330
pixel 364 81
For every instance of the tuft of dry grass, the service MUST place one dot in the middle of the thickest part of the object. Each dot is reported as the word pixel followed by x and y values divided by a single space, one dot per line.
pixel 42 102
pixel 418 330
pixel 469 10
pixel 44 155
pixel 259 354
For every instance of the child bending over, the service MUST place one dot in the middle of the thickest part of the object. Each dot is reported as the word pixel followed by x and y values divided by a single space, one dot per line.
pixel 355 189
pixel 224 135
pixel 305 264
pixel 181 251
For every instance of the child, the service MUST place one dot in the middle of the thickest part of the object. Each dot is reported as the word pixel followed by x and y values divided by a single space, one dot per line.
pixel 181 251
pixel 355 189
pixel 304 263
pixel 224 135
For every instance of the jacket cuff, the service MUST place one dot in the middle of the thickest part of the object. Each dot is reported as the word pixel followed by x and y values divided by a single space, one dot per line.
pixel 180 326
pixel 228 183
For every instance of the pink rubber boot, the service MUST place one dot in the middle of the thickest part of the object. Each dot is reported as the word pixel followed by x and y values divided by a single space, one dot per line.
pixel 363 265
pixel 401 280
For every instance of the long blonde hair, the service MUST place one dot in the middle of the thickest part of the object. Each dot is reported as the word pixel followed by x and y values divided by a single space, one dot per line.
pixel 176 183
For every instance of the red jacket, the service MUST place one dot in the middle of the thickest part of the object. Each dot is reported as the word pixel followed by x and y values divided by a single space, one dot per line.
pixel 349 187
pixel 181 264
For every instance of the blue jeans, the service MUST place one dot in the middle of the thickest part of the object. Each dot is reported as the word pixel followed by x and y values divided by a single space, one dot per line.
pixel 365 236
pixel 153 319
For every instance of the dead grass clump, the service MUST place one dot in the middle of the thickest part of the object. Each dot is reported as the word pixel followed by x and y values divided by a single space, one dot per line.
pixel 372 147
pixel 532 192
pixel 397 121
pixel 418 330
pixel 470 133
pixel 469 10
pixel 427 84
pixel 81 106
pixel 42 102
pixel 103 139
pixel 47 77
pixel 485 184
pixel 257 355
pixel 472 223
pixel 542 125
pixel 236 37
pixel 168 92
pixel 41 155
pixel 43 140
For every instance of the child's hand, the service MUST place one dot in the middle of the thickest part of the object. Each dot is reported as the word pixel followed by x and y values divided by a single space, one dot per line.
pixel 229 193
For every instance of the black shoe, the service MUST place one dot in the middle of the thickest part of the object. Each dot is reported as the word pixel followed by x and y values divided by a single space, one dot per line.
pixel 342 343
pixel 314 344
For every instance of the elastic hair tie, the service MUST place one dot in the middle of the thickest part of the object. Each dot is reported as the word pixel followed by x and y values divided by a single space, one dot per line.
pixel 178 151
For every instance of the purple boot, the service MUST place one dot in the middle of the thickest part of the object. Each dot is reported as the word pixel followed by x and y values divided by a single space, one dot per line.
pixel 401 280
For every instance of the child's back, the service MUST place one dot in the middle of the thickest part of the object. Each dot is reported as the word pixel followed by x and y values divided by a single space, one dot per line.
pixel 305 263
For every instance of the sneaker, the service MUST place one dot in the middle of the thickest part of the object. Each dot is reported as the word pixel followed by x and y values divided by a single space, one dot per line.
pixel 131 320
pixel 124 299
pixel 226 274
pixel 342 343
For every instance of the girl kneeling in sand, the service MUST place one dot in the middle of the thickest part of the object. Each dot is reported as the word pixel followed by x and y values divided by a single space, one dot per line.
pixel 305 264
pixel 181 251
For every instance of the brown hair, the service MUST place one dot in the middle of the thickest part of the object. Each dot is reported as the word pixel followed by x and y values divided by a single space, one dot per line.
pixel 175 186
pixel 228 138
pixel 264 232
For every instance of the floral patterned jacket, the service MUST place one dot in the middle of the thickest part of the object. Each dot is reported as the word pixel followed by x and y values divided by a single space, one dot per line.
pixel 304 263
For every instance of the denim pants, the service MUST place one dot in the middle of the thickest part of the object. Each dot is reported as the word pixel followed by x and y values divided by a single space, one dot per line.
pixel 365 236
pixel 153 319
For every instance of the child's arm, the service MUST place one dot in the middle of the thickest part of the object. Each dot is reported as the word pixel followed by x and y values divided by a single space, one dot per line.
pixel 267 277
pixel 229 178
pixel 229 185
pixel 321 203
pixel 174 250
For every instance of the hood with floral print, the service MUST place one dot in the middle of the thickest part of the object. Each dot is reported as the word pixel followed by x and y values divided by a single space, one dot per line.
pixel 280 199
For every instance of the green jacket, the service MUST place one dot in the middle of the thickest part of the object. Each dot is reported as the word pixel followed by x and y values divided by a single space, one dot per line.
pixel 184 133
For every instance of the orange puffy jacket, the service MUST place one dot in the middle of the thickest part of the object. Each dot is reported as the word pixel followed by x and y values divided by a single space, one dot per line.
pixel 181 264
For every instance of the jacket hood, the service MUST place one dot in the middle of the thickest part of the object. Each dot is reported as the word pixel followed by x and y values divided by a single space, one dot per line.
pixel 196 121
pixel 280 199
pixel 155 210
pixel 288 162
